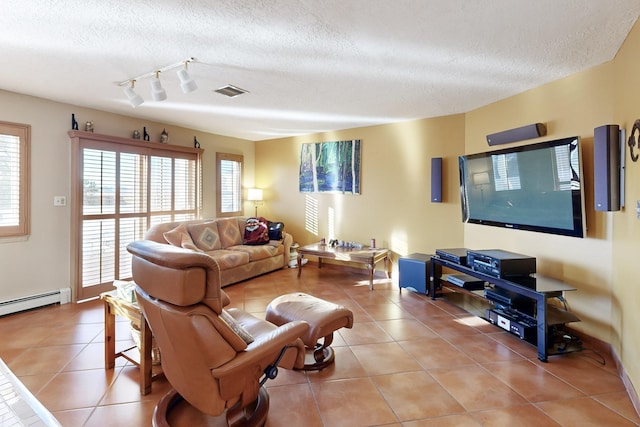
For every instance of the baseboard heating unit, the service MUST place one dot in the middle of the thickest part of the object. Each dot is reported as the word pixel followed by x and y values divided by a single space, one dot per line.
pixel 58 296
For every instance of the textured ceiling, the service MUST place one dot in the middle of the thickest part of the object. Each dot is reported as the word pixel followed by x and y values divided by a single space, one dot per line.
pixel 309 65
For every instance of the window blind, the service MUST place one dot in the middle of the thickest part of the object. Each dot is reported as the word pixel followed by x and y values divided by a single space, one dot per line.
pixel 9 180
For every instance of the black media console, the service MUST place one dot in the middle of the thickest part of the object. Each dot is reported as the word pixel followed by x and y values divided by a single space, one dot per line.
pixel 537 289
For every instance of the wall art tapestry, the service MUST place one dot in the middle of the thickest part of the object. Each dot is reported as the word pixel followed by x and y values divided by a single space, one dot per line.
pixel 330 167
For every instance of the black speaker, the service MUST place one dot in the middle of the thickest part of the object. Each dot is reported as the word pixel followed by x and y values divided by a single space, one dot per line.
pixel 606 168
pixel 436 179
pixel 518 134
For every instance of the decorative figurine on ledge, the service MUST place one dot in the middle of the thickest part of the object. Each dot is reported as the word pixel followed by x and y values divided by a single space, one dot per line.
pixel 74 122
pixel 164 136
pixel 88 127
pixel 136 134
pixel 145 134
pixel 196 144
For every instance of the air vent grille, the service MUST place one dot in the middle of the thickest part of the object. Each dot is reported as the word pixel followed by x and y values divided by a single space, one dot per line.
pixel 230 91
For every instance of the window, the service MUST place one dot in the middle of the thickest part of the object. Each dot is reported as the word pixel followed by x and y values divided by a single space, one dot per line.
pixel 15 143
pixel 566 164
pixel 506 173
pixel 126 187
pixel 229 184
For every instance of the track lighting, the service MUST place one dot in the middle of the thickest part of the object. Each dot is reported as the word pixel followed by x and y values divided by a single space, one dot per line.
pixel 157 91
pixel 186 82
pixel 134 98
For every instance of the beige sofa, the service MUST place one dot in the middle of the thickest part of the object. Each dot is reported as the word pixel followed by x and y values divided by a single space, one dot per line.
pixel 222 239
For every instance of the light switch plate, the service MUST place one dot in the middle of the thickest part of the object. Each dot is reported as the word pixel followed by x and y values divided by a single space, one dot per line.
pixel 59 201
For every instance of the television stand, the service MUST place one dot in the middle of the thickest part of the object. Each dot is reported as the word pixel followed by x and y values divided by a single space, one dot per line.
pixel 538 289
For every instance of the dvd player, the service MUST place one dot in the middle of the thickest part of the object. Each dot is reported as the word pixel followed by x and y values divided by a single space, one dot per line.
pixel 511 301
pixel 501 264
pixel 466 282
pixel 502 296
pixel 518 325
pixel 455 255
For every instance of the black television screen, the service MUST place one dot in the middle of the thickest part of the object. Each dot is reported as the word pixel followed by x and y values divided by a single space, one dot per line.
pixel 536 187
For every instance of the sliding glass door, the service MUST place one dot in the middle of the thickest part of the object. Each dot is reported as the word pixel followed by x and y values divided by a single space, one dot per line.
pixel 122 189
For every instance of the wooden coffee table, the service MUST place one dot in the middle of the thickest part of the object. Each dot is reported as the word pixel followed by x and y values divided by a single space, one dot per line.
pixel 366 255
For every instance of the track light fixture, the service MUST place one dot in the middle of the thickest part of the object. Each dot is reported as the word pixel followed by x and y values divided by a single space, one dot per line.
pixel 157 91
pixel 132 96
pixel 186 82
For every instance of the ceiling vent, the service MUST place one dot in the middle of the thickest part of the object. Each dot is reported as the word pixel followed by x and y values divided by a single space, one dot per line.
pixel 230 91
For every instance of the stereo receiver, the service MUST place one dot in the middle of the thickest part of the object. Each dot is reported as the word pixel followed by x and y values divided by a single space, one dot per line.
pixel 501 264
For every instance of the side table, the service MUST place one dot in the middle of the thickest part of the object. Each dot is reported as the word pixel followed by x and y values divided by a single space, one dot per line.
pixel 114 306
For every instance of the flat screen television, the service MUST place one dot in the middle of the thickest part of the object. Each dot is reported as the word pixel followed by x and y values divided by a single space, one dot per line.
pixel 536 187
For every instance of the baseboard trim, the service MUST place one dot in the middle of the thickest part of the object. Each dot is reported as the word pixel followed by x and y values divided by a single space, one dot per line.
pixel 605 347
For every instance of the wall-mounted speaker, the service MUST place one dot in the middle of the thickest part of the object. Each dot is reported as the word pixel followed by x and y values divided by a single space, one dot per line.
pixel 607 168
pixel 436 179
pixel 518 134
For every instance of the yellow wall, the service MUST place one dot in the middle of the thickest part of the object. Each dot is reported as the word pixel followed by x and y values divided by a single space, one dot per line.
pixel 571 106
pixel 41 262
pixel 626 226
pixel 394 205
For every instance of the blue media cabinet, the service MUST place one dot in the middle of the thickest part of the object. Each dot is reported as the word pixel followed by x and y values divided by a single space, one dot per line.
pixel 413 272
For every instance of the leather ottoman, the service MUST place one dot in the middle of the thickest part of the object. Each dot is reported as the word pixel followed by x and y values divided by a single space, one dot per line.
pixel 323 317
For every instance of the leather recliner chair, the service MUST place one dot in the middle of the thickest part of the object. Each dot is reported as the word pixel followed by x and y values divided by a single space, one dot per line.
pixel 216 359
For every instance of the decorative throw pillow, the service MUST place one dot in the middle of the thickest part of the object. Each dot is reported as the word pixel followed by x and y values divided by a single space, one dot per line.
pixel 236 327
pixel 256 231
pixel 205 235
pixel 275 230
pixel 230 231
pixel 180 237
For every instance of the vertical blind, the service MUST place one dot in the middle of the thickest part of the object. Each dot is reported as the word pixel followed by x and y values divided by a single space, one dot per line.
pixel 125 190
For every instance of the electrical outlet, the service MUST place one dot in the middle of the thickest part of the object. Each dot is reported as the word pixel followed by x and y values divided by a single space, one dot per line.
pixel 59 201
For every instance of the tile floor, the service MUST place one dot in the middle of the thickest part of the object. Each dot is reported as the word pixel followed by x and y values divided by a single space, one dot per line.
pixel 408 361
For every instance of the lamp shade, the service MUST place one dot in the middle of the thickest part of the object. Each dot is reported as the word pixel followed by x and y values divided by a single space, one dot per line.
pixel 254 194
pixel 480 178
